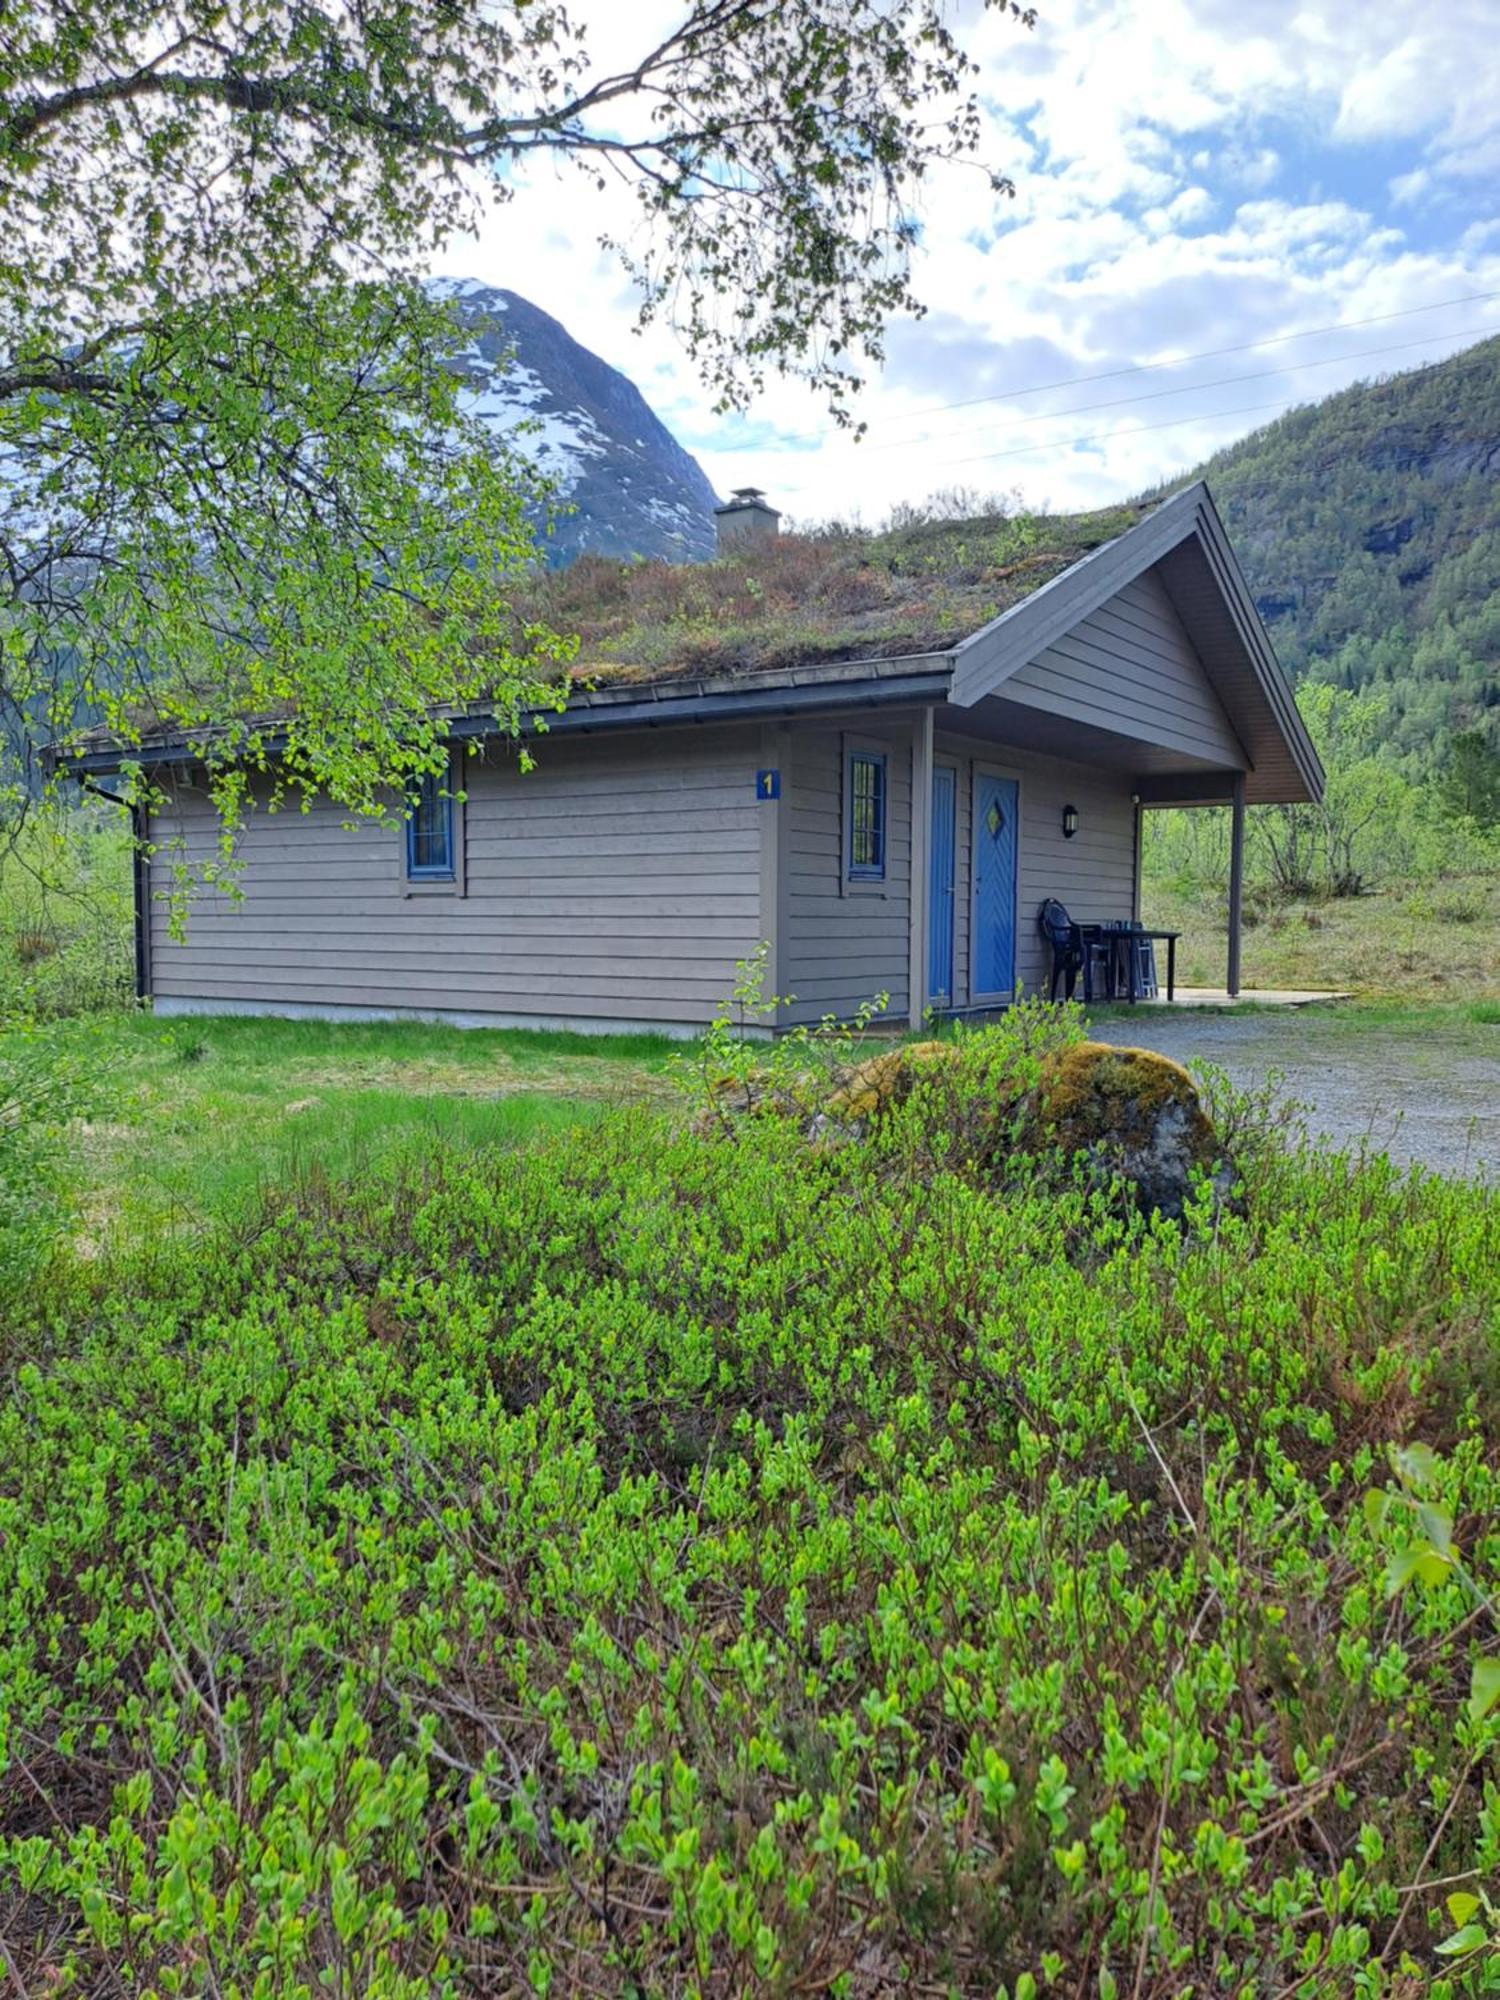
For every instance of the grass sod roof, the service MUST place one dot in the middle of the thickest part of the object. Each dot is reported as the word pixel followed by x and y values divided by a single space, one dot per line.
pixel 798 600
pixel 811 599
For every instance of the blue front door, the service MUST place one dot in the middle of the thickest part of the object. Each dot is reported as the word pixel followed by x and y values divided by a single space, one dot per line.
pixel 940 887
pixel 996 803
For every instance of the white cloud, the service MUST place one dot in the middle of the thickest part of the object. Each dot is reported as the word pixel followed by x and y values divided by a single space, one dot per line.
pixel 1146 137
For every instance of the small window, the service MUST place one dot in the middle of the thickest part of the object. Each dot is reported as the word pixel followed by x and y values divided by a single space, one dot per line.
pixel 429 830
pixel 866 816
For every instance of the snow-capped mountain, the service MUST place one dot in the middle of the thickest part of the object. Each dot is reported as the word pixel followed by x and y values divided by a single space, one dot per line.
pixel 634 491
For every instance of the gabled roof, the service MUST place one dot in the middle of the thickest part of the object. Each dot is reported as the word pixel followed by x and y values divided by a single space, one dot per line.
pixel 938 611
pixel 1184 540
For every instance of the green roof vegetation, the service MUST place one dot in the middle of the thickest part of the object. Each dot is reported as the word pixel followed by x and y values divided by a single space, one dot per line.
pixel 818 597
pixel 811 598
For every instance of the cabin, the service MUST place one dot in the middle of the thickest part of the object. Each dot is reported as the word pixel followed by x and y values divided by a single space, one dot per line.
pixel 879 769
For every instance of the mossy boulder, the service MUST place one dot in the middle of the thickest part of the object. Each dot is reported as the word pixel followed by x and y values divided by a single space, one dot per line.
pixel 876 1086
pixel 1134 1113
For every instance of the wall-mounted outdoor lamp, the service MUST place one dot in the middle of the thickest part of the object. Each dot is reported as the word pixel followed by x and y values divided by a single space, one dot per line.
pixel 1070 822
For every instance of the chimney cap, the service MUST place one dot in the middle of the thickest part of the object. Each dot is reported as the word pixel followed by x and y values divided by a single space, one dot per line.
pixel 746 496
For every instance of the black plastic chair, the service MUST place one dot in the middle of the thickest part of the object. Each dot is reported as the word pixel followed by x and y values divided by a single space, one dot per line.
pixel 1069 951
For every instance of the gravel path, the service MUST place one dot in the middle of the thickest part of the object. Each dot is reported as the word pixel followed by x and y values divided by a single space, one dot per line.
pixel 1427 1094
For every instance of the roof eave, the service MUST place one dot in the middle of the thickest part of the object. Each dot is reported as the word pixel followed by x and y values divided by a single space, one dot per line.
pixel 908 680
pixel 1269 670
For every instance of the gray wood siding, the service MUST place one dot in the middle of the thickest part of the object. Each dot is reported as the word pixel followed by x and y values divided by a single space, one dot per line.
pixel 1093 873
pixel 843 943
pixel 1131 668
pixel 618 880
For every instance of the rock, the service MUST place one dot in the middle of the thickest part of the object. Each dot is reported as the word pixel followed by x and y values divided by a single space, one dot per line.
pixel 1386 537
pixel 875 1086
pixel 1134 1113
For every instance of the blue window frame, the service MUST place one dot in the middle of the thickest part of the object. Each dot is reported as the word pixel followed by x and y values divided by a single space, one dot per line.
pixel 429 831
pixel 864 788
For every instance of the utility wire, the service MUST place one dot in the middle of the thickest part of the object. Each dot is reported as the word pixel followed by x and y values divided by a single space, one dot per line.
pixel 1133 430
pixel 1191 388
pixel 1150 367
pixel 1281 404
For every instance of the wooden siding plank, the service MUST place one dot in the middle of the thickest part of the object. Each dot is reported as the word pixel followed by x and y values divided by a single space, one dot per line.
pixel 437 988
pixel 465 957
pixel 382 911
pixel 623 1009
pixel 621 881
pixel 842 946
pixel 223 927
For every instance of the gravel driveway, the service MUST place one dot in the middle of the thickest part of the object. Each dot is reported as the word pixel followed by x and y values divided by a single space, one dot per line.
pixel 1425 1092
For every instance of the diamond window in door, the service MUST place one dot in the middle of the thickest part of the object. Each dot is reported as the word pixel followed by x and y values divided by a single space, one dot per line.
pixel 994 819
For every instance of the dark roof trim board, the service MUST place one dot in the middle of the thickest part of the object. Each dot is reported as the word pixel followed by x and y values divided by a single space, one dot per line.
pixel 987 659
pixel 1187 788
pixel 905 683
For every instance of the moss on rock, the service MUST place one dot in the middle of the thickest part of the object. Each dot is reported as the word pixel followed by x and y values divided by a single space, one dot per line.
pixel 1132 1112
pixel 883 1080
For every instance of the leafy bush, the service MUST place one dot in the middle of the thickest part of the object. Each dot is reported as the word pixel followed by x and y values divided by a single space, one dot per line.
pixel 1448 906
pixel 652 1564
pixel 1376 823
pixel 44 1086
pixel 66 938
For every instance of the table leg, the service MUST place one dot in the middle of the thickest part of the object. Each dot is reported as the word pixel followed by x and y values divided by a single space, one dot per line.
pixel 1171 969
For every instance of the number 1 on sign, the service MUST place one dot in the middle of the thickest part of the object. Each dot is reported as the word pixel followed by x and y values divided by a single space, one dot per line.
pixel 768 784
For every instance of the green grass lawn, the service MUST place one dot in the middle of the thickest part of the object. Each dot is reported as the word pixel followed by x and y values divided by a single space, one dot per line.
pixel 197 1117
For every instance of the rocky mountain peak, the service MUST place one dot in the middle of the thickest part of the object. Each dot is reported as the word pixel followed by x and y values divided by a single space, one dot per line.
pixel 633 490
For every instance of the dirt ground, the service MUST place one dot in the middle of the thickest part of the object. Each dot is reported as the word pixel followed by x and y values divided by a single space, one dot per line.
pixel 1424 1088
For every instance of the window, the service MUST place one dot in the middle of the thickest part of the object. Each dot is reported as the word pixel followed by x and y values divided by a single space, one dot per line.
pixel 429 831
pixel 866 816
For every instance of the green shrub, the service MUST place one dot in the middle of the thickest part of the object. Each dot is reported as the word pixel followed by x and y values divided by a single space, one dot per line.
pixel 643 1564
pixel 66 927
pixel 45 1085
pixel 1446 905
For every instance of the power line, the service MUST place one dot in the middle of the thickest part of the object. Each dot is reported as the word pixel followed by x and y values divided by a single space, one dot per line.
pixel 1127 431
pixel 1192 388
pixel 1281 404
pixel 1131 430
pixel 1150 367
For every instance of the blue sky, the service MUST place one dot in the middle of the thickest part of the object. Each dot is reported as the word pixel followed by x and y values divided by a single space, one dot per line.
pixel 1189 177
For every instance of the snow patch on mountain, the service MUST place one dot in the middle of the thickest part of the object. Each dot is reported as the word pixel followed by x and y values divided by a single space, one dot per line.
pixel 631 488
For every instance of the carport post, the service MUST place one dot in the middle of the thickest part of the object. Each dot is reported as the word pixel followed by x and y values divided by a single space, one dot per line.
pixel 1236 880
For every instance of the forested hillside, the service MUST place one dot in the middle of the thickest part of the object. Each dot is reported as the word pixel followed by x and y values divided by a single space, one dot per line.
pixel 1369 526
